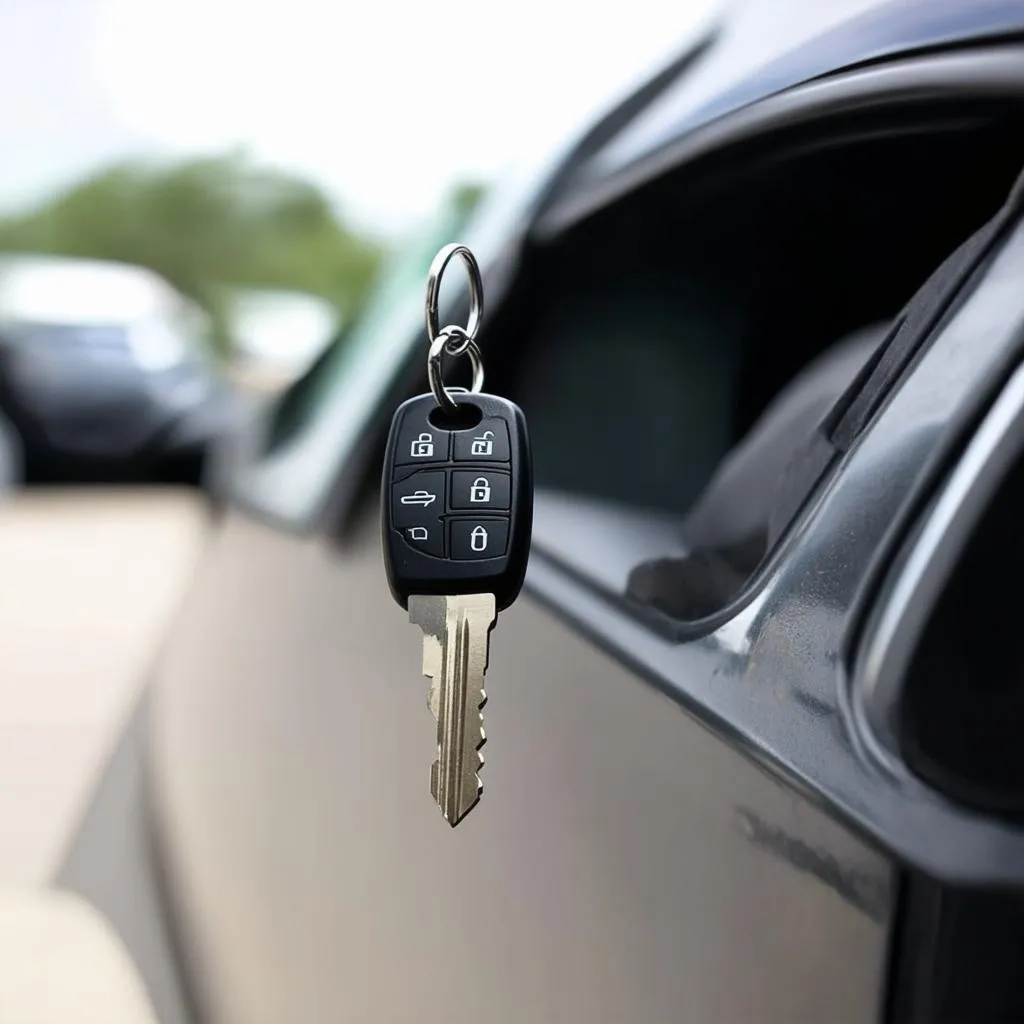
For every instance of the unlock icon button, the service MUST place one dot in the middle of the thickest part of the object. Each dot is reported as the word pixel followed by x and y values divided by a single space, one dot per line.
pixel 480 491
pixel 486 442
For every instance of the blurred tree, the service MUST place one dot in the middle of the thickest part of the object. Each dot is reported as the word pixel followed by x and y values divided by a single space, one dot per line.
pixel 467 197
pixel 203 224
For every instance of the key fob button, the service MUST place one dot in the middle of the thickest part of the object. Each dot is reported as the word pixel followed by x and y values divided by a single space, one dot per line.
pixel 420 442
pixel 456 519
pixel 478 538
pixel 427 537
pixel 418 500
pixel 481 490
pixel 486 442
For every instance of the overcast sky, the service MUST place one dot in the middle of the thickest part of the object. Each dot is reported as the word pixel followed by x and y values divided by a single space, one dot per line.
pixel 384 104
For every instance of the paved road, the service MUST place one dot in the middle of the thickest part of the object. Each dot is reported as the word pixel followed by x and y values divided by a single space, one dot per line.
pixel 89 580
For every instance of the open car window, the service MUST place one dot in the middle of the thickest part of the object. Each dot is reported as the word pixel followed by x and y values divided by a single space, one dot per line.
pixel 675 350
pixel 682 350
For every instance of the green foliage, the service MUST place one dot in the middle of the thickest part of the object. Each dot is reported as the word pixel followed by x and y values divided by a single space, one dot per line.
pixel 203 224
pixel 466 198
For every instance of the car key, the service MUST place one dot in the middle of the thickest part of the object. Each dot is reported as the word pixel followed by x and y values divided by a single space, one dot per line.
pixel 457 509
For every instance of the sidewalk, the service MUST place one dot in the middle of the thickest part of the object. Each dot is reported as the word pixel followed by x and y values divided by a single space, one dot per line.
pixel 89 580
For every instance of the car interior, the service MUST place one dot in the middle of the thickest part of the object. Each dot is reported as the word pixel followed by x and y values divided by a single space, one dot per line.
pixel 674 350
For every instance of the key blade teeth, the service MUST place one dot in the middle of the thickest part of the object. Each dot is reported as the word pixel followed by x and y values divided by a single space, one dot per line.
pixel 456 633
pixel 456 804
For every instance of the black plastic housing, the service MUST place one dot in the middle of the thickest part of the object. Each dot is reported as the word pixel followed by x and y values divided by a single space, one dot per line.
pixel 420 537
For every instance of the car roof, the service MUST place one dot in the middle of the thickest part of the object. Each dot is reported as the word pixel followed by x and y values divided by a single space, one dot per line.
pixel 764 47
pixel 63 290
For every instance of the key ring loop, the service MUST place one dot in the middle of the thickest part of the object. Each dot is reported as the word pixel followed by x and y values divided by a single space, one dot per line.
pixel 457 341
pixel 443 395
pixel 476 292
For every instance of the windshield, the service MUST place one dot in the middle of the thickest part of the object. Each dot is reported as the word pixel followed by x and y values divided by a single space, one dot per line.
pixel 65 337
pixel 366 342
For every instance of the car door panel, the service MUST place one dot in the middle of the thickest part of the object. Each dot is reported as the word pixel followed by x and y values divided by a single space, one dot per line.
pixel 624 864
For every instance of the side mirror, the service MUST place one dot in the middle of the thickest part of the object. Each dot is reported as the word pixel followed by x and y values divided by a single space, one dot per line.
pixel 276 336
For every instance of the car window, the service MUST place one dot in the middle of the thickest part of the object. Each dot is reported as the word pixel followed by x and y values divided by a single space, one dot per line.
pixel 647 341
pixel 677 352
pixel 321 418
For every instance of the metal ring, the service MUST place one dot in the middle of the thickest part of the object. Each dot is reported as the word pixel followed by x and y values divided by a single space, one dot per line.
pixel 476 290
pixel 443 395
pixel 456 347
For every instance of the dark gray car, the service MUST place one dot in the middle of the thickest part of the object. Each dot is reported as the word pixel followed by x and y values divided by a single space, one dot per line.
pixel 754 724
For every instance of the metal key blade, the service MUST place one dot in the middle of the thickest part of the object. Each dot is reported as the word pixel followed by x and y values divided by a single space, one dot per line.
pixel 456 636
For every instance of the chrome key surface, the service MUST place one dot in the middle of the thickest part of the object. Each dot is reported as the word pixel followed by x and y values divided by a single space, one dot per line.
pixel 456 637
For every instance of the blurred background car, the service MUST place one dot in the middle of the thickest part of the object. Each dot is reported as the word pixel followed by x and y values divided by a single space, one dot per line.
pixel 104 374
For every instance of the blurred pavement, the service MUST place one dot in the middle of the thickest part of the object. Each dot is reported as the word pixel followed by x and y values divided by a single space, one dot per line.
pixel 89 581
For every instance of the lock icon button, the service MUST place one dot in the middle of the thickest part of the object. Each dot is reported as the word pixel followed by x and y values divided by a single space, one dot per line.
pixel 422 447
pixel 473 490
pixel 420 442
pixel 478 538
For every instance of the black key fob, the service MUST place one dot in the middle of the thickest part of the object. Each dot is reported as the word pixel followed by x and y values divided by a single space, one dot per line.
pixel 457 499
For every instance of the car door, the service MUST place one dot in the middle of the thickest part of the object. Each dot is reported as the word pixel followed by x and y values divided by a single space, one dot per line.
pixel 681 817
